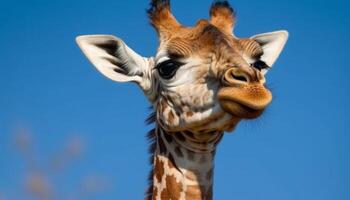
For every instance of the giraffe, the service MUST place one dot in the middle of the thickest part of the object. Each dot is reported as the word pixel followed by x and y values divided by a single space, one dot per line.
pixel 201 83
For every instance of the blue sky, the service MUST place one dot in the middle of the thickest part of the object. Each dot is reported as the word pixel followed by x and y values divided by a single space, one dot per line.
pixel 300 148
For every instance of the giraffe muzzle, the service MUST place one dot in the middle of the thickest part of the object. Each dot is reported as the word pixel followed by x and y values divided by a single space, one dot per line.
pixel 243 93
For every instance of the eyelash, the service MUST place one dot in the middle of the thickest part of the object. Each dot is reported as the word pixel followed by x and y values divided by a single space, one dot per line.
pixel 168 69
pixel 260 65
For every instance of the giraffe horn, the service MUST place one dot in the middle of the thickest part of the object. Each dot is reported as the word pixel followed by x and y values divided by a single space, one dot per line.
pixel 251 48
pixel 222 16
pixel 161 17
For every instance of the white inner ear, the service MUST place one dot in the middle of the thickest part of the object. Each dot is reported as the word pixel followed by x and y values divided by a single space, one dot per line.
pixel 113 58
pixel 272 44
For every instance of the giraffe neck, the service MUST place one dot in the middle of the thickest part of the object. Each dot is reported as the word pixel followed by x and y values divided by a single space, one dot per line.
pixel 183 165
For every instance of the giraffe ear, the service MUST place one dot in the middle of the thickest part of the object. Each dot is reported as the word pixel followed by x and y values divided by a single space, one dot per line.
pixel 272 45
pixel 113 58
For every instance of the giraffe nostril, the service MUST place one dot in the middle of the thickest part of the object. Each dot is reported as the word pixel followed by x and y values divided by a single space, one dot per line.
pixel 240 78
pixel 236 76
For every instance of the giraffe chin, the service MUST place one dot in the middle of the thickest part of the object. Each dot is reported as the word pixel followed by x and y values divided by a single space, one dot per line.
pixel 247 102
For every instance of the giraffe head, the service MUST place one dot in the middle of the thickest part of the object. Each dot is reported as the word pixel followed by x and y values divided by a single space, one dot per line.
pixel 202 77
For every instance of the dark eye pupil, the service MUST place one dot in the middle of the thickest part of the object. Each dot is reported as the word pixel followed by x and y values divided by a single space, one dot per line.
pixel 260 65
pixel 167 69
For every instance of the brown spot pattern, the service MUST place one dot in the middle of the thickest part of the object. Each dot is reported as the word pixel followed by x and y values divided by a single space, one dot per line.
pixel 163 105
pixel 173 189
pixel 155 193
pixel 189 114
pixel 171 118
pixel 159 169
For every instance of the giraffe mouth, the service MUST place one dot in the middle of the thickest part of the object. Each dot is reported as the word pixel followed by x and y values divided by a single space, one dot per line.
pixel 247 102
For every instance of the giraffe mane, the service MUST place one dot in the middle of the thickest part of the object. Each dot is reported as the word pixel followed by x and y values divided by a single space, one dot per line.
pixel 152 140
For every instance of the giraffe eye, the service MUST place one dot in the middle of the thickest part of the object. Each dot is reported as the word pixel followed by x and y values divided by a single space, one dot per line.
pixel 167 69
pixel 260 65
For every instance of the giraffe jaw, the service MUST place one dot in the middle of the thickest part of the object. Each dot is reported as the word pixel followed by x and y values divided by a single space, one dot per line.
pixel 246 102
